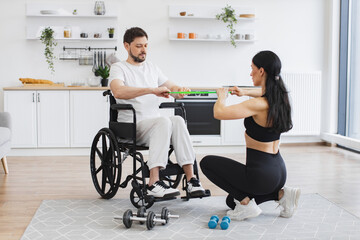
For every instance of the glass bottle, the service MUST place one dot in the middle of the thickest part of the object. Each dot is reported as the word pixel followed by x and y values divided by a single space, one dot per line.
pixel 67 32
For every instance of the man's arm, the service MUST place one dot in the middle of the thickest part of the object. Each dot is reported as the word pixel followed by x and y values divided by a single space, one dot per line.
pixel 174 88
pixel 121 91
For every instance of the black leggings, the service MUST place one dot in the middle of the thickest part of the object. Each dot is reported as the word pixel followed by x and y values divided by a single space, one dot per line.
pixel 261 178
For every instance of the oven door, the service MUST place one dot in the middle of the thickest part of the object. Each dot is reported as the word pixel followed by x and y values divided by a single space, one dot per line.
pixel 200 116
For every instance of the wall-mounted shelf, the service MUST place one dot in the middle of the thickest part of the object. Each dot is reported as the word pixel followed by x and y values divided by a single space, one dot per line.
pixel 209 40
pixel 59 15
pixel 79 39
pixel 204 17
pixel 70 16
pixel 201 20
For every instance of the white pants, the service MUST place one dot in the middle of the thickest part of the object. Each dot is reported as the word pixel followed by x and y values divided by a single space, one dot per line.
pixel 156 133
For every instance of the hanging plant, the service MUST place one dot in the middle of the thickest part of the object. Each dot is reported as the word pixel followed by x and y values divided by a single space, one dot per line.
pixel 228 16
pixel 47 38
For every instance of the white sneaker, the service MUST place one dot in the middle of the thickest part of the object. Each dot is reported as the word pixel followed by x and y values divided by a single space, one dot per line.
pixel 289 201
pixel 242 212
pixel 160 190
pixel 194 188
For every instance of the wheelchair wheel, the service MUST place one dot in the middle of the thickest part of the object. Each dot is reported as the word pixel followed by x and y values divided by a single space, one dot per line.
pixel 105 163
pixel 136 200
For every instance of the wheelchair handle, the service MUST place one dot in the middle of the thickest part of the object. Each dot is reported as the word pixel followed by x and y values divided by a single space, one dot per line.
pixel 107 92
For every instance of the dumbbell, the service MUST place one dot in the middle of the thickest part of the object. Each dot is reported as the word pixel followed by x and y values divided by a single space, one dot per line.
pixel 213 221
pixel 150 220
pixel 225 222
pixel 165 214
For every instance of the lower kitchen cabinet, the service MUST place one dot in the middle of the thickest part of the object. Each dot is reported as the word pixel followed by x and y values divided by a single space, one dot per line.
pixel 89 112
pixel 232 131
pixel 39 118
pixel 22 107
pixel 55 118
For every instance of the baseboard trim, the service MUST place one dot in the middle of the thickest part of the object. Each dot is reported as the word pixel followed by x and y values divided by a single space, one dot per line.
pixel 340 140
pixel 285 140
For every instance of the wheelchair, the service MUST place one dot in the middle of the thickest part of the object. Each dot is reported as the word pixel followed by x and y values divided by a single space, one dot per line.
pixel 112 146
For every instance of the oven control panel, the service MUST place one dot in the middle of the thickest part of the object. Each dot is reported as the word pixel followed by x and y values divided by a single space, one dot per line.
pixel 211 95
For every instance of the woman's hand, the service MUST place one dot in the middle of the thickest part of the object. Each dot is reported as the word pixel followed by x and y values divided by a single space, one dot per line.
pixel 182 89
pixel 237 91
pixel 222 93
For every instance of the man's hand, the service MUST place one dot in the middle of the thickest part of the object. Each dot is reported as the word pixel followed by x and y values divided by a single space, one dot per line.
pixel 161 92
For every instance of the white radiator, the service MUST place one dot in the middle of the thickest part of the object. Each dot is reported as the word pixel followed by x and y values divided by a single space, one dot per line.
pixel 305 96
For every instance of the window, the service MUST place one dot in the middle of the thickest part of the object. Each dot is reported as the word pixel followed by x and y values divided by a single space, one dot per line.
pixel 349 78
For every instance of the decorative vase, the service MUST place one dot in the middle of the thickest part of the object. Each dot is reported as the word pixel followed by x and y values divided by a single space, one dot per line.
pixel 99 8
pixel 111 35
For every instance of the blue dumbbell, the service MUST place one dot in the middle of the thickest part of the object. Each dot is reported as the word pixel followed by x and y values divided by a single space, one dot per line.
pixel 225 222
pixel 213 221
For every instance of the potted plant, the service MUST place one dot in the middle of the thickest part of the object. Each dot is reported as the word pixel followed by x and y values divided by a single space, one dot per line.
pixel 228 16
pixel 104 73
pixel 47 38
pixel 111 32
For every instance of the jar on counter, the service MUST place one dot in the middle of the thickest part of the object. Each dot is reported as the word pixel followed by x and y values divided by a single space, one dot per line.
pixel 67 32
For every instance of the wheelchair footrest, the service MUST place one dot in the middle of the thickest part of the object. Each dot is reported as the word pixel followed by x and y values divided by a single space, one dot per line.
pixel 188 196
pixel 164 199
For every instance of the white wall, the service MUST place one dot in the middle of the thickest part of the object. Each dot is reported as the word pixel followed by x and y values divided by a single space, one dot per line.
pixel 297 30
pixel 293 29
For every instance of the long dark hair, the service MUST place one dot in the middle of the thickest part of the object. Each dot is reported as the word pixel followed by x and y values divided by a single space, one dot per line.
pixel 279 113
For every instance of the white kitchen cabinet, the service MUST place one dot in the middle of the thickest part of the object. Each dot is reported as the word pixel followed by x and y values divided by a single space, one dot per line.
pixel 89 112
pixel 39 118
pixel 202 21
pixel 53 118
pixel 22 107
pixel 232 131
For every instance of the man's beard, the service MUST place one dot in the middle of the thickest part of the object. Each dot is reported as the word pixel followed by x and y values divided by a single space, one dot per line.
pixel 137 59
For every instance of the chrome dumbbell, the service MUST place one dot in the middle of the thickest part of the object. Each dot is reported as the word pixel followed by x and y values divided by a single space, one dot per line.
pixel 150 219
pixel 165 214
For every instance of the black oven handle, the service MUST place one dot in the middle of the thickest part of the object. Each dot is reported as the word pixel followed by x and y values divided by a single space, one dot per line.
pixel 196 100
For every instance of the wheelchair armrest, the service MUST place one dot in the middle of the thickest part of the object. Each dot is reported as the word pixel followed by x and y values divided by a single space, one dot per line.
pixel 171 105
pixel 177 106
pixel 122 107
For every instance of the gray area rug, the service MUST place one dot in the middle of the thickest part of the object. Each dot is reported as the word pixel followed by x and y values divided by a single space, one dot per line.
pixel 316 218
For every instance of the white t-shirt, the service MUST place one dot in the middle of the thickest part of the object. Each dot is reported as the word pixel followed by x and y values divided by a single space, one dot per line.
pixel 147 75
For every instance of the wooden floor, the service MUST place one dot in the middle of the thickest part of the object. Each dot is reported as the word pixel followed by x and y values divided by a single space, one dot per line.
pixel 332 172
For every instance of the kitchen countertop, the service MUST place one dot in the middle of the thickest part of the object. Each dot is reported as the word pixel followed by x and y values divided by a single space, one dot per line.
pixel 55 88
pixel 194 88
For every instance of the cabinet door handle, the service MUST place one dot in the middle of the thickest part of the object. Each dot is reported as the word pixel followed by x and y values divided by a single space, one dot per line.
pixel 33 97
pixel 38 97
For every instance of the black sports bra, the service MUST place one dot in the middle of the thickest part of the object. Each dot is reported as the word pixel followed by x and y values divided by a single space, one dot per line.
pixel 259 133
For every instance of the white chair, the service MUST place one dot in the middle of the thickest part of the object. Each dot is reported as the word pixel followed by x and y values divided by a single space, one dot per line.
pixel 5 138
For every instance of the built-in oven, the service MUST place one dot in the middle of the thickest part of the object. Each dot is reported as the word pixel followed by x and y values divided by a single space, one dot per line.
pixel 200 114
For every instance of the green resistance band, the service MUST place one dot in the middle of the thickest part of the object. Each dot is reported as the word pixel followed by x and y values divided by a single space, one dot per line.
pixel 195 92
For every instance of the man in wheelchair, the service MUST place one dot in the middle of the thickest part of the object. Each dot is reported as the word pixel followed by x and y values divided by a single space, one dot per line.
pixel 140 83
